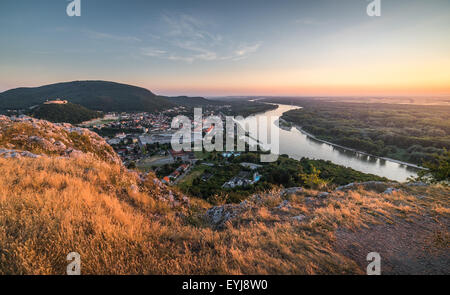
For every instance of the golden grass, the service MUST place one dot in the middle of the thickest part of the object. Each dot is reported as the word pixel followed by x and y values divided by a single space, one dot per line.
pixel 52 206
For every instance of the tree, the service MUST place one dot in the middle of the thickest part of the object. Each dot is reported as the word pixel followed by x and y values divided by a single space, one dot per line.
pixel 438 169
pixel 312 179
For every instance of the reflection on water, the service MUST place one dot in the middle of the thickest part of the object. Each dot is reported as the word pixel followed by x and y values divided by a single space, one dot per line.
pixel 297 145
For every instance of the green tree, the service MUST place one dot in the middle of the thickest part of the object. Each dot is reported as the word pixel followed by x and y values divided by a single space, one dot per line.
pixel 313 180
pixel 438 169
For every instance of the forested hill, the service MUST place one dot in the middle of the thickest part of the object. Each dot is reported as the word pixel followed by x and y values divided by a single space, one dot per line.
pixel 68 113
pixel 95 95
pixel 193 101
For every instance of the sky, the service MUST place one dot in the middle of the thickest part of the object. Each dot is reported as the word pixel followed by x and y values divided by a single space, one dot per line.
pixel 220 48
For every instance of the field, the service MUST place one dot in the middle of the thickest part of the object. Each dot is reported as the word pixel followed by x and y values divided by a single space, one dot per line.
pixel 154 161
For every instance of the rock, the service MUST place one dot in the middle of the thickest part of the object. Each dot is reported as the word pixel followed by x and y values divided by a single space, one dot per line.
pixel 390 190
pixel 185 200
pixel 323 195
pixel 292 190
pixel 4 118
pixel 367 184
pixel 8 153
pixel 347 186
pixel 15 155
pixel 417 183
pixel 157 182
pixel 170 197
pixel 59 145
pixel 219 215
pixel 300 217
pixel 243 203
pixel 134 188
pixel 29 155
pixel 284 205
pixel 75 154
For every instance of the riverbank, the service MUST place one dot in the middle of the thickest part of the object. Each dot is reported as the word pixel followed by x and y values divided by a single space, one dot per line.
pixel 298 144
pixel 299 128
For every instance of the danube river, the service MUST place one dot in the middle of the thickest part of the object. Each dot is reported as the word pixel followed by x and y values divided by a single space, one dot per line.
pixel 298 144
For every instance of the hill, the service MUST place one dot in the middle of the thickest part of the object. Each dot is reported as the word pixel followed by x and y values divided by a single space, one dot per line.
pixel 53 202
pixel 95 95
pixel 68 113
pixel 193 101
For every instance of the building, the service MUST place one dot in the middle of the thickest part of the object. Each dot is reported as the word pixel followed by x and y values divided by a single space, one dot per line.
pixel 114 141
pixel 56 101
pixel 250 165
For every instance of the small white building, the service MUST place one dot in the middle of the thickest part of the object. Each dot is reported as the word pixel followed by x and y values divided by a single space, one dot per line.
pixel 56 101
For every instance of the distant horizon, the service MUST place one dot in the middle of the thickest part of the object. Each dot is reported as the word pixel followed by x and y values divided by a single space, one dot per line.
pixel 237 95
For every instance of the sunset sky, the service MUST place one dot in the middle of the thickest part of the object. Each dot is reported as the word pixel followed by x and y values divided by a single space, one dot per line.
pixel 216 48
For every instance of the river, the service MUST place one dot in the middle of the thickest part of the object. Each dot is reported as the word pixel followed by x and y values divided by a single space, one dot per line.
pixel 297 144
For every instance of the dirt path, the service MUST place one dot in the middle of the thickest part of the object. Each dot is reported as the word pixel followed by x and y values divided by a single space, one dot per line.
pixel 419 247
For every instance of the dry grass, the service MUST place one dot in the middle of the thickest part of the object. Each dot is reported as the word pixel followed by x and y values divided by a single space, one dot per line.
pixel 52 206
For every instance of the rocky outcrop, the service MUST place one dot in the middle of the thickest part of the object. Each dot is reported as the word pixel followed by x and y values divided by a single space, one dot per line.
pixel 39 137
pixel 292 190
pixel 367 184
pixel 390 190
pixel 218 216
pixel 274 202
pixel 6 153
pixel 161 191
pixel 418 183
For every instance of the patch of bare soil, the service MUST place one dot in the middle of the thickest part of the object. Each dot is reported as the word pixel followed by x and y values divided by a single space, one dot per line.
pixel 420 247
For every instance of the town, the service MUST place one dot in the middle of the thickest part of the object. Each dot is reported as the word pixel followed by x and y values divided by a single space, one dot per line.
pixel 143 141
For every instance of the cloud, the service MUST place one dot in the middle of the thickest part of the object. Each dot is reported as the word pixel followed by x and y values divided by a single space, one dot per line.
pixel 309 21
pixel 152 52
pixel 188 39
pixel 105 36
pixel 247 49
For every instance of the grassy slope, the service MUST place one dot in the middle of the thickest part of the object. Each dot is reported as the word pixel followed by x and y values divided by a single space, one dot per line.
pixel 50 207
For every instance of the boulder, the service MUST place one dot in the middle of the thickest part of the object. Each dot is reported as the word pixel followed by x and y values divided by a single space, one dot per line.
pixel 219 215
pixel 284 205
pixel 390 190
pixel 300 217
pixel 417 183
pixel 323 195
pixel 292 190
